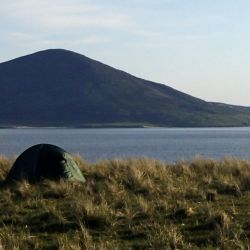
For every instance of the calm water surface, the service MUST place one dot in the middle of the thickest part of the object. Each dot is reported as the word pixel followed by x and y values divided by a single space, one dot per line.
pixel 168 144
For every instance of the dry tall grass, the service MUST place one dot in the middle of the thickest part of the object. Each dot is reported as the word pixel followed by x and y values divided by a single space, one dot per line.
pixel 130 204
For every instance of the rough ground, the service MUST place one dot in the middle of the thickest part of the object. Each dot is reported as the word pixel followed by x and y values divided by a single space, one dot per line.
pixel 131 204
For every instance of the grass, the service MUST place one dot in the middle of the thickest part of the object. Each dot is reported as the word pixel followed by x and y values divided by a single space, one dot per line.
pixel 131 204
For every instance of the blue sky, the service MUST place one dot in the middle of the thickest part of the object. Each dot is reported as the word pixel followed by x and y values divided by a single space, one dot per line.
pixel 201 47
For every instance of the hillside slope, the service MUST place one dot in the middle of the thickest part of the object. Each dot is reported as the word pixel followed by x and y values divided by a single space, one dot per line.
pixel 61 88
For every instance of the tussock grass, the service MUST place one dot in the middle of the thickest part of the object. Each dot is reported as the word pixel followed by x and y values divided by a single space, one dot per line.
pixel 130 204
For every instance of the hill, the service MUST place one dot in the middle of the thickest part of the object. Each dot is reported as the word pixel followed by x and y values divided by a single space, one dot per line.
pixel 61 88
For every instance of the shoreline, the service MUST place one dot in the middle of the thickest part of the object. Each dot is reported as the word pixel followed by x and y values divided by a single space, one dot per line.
pixel 118 127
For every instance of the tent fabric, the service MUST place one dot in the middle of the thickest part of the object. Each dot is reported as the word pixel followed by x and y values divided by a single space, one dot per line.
pixel 45 161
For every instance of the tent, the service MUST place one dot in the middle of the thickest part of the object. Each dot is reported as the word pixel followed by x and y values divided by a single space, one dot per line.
pixel 45 161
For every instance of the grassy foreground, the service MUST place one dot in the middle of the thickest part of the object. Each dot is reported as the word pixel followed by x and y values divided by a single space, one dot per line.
pixel 131 204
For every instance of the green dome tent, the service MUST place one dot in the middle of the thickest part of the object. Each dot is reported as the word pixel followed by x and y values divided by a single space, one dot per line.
pixel 45 161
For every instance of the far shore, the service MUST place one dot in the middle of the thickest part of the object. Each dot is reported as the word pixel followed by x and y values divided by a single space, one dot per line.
pixel 112 126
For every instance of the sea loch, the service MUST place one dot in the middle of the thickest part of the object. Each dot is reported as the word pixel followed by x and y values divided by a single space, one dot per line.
pixel 167 144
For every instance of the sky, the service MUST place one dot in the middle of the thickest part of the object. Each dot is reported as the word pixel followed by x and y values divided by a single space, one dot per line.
pixel 200 47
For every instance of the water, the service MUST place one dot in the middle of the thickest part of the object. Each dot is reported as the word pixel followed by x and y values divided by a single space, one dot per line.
pixel 168 144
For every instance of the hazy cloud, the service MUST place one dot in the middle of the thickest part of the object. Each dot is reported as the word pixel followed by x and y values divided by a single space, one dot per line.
pixel 63 14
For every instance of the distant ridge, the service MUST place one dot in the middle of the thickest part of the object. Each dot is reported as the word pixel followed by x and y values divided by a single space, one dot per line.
pixel 58 87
